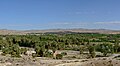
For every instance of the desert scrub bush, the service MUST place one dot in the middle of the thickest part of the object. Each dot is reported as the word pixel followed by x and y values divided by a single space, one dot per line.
pixel 82 49
pixel 23 50
pixel 48 54
pixel 34 55
pixel 91 50
pixel 110 65
pixel 63 53
pixel 3 54
pixel 59 56
pixel 117 56
pixel 73 57
pixel 93 55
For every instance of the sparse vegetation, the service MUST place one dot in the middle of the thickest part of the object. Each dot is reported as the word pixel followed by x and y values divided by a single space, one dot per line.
pixel 48 45
pixel 59 56
pixel 104 43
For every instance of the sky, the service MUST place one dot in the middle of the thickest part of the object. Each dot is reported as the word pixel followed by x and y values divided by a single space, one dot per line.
pixel 59 14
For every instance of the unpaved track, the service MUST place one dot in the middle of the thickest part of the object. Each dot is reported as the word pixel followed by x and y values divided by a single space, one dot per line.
pixel 81 63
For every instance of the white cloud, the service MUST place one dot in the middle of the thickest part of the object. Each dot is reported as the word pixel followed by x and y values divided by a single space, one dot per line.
pixel 81 12
pixel 16 25
pixel 63 24
pixel 47 24
pixel 111 22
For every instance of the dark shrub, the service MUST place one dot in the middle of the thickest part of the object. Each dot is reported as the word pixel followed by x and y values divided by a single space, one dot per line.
pixel 33 55
pixel 59 56
pixel 63 53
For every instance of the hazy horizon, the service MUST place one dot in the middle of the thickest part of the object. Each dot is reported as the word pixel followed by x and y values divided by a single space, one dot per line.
pixel 59 14
pixel 61 29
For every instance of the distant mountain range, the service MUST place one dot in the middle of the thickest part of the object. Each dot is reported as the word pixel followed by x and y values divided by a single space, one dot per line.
pixel 24 32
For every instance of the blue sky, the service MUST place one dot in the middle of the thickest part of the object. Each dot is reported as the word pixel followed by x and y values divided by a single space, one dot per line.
pixel 56 14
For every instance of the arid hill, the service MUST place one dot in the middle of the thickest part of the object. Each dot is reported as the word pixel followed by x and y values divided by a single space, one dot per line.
pixel 24 32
